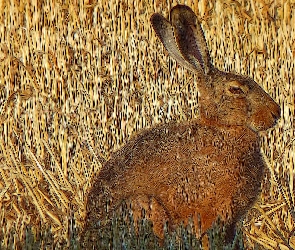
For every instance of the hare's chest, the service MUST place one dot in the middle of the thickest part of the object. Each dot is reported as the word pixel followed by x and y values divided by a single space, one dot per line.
pixel 213 167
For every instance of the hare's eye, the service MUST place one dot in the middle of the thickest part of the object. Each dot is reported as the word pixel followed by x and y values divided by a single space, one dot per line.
pixel 236 90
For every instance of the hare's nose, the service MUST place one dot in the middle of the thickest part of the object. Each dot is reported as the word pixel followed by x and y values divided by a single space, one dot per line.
pixel 276 112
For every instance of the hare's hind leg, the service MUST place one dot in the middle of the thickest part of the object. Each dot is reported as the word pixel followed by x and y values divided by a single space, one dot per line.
pixel 148 207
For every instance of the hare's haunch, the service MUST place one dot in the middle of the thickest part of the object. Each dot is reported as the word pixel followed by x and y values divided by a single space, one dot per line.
pixel 210 167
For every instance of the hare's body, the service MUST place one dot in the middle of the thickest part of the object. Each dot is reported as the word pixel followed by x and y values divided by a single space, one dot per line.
pixel 181 167
pixel 211 166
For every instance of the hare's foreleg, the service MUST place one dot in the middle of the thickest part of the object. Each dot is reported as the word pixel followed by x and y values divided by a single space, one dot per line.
pixel 150 208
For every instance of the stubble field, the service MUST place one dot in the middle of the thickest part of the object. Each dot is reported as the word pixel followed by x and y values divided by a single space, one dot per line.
pixel 79 78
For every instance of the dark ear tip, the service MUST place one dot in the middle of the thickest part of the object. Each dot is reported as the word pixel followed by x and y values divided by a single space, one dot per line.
pixel 155 18
pixel 181 8
pixel 182 14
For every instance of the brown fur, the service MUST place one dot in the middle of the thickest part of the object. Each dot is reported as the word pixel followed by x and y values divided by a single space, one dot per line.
pixel 211 166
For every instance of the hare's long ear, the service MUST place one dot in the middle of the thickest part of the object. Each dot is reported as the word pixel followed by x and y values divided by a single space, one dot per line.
pixel 164 31
pixel 190 37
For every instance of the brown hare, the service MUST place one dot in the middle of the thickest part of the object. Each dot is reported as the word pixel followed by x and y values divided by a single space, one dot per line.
pixel 205 168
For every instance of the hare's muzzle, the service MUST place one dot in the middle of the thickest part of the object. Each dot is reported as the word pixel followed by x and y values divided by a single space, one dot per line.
pixel 264 115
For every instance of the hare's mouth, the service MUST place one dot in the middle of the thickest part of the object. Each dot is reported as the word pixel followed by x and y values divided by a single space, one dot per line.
pixel 276 114
pixel 275 120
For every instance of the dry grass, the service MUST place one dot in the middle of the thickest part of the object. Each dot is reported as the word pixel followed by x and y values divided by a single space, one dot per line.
pixel 78 79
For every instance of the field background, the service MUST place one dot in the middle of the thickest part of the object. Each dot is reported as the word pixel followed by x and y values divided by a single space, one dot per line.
pixel 79 78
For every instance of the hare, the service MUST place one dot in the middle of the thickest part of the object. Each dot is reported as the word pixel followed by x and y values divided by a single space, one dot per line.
pixel 205 168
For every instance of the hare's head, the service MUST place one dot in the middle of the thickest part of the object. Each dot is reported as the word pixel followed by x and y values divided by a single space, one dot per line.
pixel 225 98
